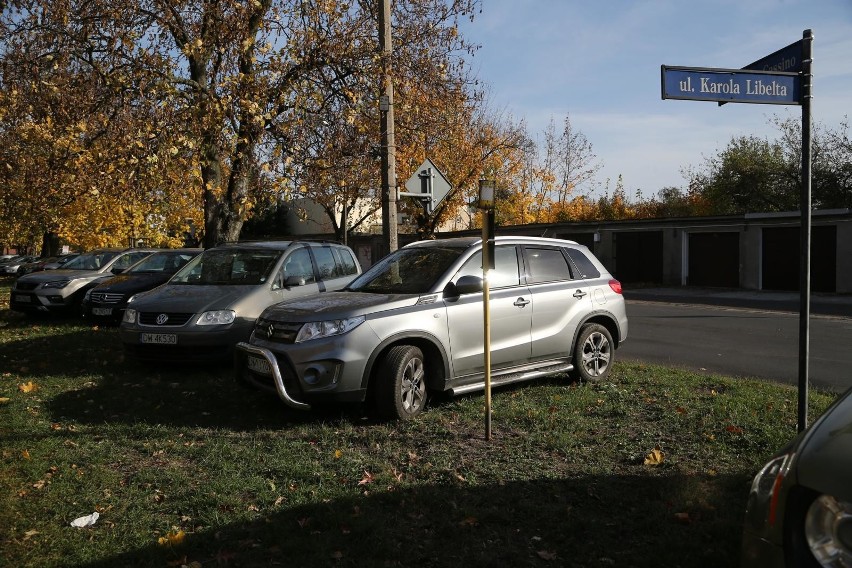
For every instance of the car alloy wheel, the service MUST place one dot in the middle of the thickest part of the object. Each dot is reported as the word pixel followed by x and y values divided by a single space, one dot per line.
pixel 401 383
pixel 593 353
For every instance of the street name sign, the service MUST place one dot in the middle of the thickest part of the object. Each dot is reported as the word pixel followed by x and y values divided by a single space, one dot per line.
pixel 730 85
pixel 787 59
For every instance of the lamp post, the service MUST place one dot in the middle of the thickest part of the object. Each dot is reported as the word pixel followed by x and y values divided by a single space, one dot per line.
pixel 486 204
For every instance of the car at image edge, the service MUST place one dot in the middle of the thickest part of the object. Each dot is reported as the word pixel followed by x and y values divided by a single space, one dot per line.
pixel 212 302
pixel 62 290
pixel 413 324
pixel 799 510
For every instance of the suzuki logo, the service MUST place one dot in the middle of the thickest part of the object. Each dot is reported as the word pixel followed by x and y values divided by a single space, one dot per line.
pixel 162 318
pixel 270 331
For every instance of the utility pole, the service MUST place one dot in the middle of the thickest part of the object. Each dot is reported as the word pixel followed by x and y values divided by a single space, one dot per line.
pixel 388 148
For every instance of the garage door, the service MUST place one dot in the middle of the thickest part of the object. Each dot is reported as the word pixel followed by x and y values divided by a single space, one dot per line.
pixel 780 258
pixel 714 259
pixel 639 256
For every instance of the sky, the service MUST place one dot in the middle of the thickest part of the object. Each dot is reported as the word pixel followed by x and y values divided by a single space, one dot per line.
pixel 598 62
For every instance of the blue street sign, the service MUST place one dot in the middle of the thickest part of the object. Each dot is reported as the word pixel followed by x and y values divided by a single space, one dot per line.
pixel 730 85
pixel 787 59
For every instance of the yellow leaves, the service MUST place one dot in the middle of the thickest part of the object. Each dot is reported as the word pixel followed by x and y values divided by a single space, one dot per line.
pixel 654 458
pixel 4 400
pixel 28 387
pixel 338 454
pixel 173 538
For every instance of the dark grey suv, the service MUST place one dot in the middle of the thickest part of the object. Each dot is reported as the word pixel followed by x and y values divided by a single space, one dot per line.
pixel 413 323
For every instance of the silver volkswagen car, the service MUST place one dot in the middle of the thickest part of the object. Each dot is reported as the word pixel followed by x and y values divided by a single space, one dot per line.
pixel 413 323
pixel 212 302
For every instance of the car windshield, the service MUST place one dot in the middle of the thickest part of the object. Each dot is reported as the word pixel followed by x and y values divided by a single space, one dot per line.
pixel 91 260
pixel 228 266
pixel 162 262
pixel 412 270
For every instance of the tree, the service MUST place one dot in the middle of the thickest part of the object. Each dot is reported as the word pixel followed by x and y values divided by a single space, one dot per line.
pixel 750 174
pixel 574 162
pixel 831 156
pixel 246 84
pixel 77 159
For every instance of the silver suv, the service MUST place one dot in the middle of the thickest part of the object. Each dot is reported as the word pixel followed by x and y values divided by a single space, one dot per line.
pixel 413 323
pixel 62 290
pixel 211 303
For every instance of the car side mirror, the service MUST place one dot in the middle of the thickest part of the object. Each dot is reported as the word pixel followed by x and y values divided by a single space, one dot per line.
pixel 468 285
pixel 117 270
pixel 294 281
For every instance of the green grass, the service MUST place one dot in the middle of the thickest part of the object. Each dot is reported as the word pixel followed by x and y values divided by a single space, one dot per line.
pixel 563 482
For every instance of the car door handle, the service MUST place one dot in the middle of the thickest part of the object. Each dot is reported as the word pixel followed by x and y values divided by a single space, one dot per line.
pixel 579 294
pixel 520 302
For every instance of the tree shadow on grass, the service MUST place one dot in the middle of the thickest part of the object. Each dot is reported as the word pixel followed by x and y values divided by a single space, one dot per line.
pixel 606 520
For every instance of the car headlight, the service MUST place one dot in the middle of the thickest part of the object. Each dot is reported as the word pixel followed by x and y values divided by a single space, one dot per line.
pixel 318 329
pixel 129 316
pixel 217 317
pixel 57 283
pixel 88 295
pixel 828 528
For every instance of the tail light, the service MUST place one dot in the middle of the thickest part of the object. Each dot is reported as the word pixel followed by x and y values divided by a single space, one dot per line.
pixel 615 285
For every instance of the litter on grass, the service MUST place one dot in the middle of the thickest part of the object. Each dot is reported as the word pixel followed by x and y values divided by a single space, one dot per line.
pixel 86 521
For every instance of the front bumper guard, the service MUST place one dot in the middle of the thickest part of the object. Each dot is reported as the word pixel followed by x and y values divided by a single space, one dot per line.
pixel 276 374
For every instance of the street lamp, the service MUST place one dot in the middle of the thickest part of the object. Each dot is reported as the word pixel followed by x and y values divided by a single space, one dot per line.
pixel 486 203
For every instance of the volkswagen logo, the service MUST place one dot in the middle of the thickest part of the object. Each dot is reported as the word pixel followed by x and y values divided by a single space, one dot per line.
pixel 162 318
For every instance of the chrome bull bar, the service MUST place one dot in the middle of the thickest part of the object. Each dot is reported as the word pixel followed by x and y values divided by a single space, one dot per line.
pixel 276 374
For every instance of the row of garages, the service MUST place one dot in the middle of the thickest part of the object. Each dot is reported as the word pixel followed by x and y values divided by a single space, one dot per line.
pixel 757 252
pixel 754 251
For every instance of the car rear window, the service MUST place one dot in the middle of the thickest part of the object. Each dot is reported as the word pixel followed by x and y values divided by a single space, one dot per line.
pixel 583 264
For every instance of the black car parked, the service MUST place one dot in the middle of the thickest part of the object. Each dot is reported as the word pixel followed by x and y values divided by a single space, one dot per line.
pixel 107 300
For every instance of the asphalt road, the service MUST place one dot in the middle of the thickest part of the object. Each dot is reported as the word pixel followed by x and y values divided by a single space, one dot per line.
pixel 739 342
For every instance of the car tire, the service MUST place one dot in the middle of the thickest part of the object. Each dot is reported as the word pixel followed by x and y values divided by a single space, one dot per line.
pixel 594 353
pixel 400 390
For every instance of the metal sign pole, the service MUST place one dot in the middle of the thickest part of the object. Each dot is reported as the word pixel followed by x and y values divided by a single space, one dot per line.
pixel 486 204
pixel 486 310
pixel 805 233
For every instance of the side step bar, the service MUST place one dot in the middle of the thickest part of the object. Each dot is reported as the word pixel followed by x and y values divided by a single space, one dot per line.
pixel 515 377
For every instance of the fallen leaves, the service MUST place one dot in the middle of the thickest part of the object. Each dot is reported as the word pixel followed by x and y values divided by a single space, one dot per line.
pixel 654 458
pixel 28 387
pixel 172 538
